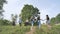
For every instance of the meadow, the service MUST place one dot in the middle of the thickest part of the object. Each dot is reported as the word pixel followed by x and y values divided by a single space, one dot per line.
pixel 24 29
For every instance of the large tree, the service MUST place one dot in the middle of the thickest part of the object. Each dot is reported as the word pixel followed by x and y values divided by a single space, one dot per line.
pixel 55 20
pixel 1 7
pixel 28 11
pixel 58 18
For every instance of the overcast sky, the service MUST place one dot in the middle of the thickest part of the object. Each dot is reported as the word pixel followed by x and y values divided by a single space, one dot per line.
pixel 50 7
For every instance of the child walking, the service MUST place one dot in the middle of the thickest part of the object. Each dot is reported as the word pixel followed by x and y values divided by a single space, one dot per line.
pixel 32 22
pixel 39 21
pixel 48 21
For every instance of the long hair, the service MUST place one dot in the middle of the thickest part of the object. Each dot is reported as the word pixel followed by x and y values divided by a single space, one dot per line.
pixel 47 17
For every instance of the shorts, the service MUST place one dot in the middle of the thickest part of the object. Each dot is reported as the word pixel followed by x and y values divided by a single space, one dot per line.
pixel 48 22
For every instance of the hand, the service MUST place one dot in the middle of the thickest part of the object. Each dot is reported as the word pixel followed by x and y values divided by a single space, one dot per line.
pixel 41 19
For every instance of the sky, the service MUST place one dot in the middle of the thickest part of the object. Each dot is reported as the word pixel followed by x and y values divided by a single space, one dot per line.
pixel 50 7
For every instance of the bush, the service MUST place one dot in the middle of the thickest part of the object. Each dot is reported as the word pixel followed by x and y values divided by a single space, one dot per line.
pixel 44 30
pixel 14 29
pixel 5 22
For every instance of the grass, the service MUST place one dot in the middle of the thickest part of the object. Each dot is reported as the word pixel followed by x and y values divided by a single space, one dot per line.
pixel 23 29
pixel 45 30
pixel 13 29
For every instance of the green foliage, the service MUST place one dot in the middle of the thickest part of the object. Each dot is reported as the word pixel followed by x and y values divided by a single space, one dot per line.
pixel 1 7
pixel 58 18
pixel 5 22
pixel 2 3
pixel 24 29
pixel 45 30
pixel 14 29
pixel 28 11
pixel 53 21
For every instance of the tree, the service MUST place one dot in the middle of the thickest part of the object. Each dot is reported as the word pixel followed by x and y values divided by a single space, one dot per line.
pixel 58 18
pixel 1 12
pixel 28 11
pixel 5 22
pixel 53 20
pixel 2 3
pixel 1 7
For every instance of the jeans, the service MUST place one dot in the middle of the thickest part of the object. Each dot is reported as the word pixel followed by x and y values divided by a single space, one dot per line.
pixel 32 22
pixel 39 24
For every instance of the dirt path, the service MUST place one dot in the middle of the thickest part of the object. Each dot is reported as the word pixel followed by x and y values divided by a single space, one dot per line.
pixel 31 31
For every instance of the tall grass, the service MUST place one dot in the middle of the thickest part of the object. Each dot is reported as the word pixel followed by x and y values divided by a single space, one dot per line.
pixel 45 30
pixel 14 29
pixel 23 29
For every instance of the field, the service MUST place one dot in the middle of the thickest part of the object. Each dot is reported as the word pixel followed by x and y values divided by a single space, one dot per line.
pixel 45 30
pixel 13 29
pixel 25 29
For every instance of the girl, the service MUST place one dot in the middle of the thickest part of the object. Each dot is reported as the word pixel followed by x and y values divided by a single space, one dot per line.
pixel 39 20
pixel 20 21
pixel 47 20
pixel 32 21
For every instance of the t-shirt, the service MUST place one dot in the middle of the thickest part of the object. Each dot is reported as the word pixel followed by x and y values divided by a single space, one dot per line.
pixel 20 20
pixel 38 17
pixel 47 18
pixel 32 18
pixel 35 18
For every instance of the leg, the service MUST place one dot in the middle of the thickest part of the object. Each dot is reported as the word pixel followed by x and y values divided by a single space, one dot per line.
pixel 39 24
pixel 32 25
pixel 20 24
